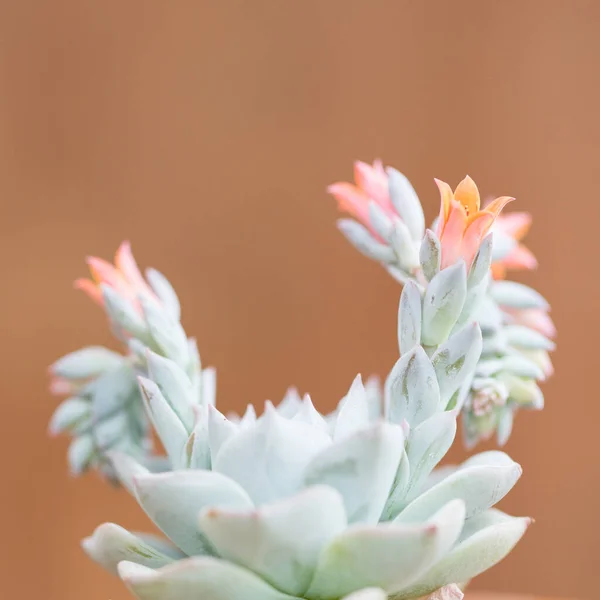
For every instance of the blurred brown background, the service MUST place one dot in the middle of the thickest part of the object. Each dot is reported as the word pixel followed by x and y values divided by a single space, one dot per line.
pixel 206 133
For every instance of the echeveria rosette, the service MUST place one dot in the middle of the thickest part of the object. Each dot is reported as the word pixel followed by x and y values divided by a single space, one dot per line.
pixel 517 330
pixel 294 504
pixel 103 410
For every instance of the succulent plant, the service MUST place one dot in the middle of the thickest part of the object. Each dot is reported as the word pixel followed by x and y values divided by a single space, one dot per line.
pixel 291 504
pixel 295 504
pixel 389 227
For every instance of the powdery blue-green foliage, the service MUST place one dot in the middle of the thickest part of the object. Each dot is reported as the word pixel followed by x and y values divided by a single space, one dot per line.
pixel 103 410
pixel 517 330
pixel 295 504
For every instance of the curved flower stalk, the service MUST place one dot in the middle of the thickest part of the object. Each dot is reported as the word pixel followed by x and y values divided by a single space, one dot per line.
pixel 517 330
pixel 295 505
pixel 103 410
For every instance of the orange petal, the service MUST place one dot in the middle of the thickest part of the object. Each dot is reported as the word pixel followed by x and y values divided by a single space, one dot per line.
pixel 495 206
pixel 373 181
pixel 515 224
pixel 102 271
pixel 352 200
pixel 91 289
pixel 474 233
pixel 467 194
pixel 129 269
pixel 452 235
pixel 446 199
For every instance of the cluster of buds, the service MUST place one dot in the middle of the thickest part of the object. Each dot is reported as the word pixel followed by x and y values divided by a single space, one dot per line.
pixel 104 411
pixel 515 358
pixel 389 227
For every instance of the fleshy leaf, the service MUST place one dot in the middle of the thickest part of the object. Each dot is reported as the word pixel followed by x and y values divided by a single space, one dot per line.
pixel 480 482
pixel 353 412
pixel 168 426
pixel 174 500
pixel 487 518
pixel 175 386
pixel 390 556
pixel 220 429
pixel 456 359
pixel 209 386
pixel 86 363
pixel 412 390
pixel 197 448
pixel 380 221
pixel 267 457
pixel 364 242
pixel 308 414
pixel 290 404
pixel 427 445
pixel 481 263
pixel 166 332
pixel 123 314
pixel 197 577
pixel 80 454
pixel 468 559
pixel 395 500
pixel 68 414
pixel 409 318
pixel 505 425
pixel 521 366
pixel 517 295
pixel 362 468
pixel 110 544
pixel 430 255
pixel 406 202
pixel 282 541
pixel 403 246
pixel 526 338
pixel 111 392
pixel 108 432
pixel 443 303
pixel 126 468
pixel 165 292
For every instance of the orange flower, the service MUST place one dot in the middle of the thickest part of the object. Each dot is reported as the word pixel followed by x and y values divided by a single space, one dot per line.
pixel 371 185
pixel 123 277
pixel 514 225
pixel 462 225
